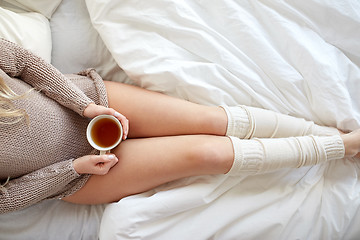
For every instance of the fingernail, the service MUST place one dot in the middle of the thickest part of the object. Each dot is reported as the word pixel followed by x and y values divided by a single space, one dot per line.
pixel 116 114
pixel 111 156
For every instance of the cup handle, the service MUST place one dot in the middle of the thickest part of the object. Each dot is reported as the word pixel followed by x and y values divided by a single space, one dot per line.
pixel 104 152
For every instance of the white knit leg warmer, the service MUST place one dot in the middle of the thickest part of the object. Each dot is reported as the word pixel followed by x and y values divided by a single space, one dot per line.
pixel 265 155
pixel 248 122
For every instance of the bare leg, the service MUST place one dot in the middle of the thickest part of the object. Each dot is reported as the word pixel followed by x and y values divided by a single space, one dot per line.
pixel 155 114
pixel 149 162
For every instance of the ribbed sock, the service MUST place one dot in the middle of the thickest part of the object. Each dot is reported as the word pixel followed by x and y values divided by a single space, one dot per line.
pixel 248 122
pixel 266 155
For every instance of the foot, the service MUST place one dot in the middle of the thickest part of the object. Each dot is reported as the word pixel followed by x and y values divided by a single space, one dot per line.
pixel 352 143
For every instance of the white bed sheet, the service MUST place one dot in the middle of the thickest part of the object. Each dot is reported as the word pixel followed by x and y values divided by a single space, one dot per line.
pixel 75 46
pixel 52 220
pixel 78 46
pixel 296 57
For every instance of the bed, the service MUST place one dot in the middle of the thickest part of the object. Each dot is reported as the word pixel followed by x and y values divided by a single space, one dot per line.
pixel 296 57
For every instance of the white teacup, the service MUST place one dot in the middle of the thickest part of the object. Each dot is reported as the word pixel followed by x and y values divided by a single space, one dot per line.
pixel 104 133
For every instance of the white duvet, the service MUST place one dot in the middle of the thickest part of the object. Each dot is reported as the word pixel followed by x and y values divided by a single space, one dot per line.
pixel 296 57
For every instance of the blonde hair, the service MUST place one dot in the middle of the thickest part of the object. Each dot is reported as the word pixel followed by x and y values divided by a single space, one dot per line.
pixel 8 113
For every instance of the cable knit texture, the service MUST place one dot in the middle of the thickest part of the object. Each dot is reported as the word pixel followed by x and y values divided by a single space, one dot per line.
pixel 239 122
pixel 248 157
pixel 37 157
pixel 256 155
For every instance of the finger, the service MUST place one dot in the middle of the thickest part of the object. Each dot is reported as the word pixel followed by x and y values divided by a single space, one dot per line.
pixel 101 169
pixel 99 110
pixel 124 122
pixel 103 163
pixel 103 158
pixel 112 163
pixel 112 157
pixel 104 167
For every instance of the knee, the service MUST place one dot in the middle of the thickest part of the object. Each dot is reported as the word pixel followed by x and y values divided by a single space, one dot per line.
pixel 211 157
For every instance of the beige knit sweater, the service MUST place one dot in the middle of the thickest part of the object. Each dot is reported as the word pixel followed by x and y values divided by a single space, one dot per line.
pixel 37 157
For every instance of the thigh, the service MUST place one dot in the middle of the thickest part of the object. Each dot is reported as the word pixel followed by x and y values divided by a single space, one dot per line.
pixel 149 162
pixel 156 114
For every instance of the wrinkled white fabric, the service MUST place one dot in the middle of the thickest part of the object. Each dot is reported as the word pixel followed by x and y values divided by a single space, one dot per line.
pixel 294 57
pixel 278 55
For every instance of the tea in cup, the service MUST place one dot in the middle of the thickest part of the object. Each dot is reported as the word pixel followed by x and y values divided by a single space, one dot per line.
pixel 104 133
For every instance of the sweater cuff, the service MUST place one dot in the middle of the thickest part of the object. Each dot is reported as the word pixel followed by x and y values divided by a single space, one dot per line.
pixel 72 169
pixel 82 106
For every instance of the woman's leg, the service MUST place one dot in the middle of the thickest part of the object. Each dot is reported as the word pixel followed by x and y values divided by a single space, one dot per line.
pixel 149 162
pixel 155 114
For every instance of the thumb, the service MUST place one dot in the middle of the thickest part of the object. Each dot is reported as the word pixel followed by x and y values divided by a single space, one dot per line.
pixel 104 158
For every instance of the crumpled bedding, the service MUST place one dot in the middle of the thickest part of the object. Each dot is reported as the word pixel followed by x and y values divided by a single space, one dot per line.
pixel 295 57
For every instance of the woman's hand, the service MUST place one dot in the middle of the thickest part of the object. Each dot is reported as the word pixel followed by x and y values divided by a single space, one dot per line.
pixel 95 164
pixel 93 110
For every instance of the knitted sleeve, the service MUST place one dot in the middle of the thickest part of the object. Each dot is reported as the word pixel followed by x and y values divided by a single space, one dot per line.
pixel 44 183
pixel 21 63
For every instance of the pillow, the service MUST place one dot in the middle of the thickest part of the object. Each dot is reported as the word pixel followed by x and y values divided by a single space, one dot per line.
pixel 77 45
pixel 30 30
pixel 45 7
